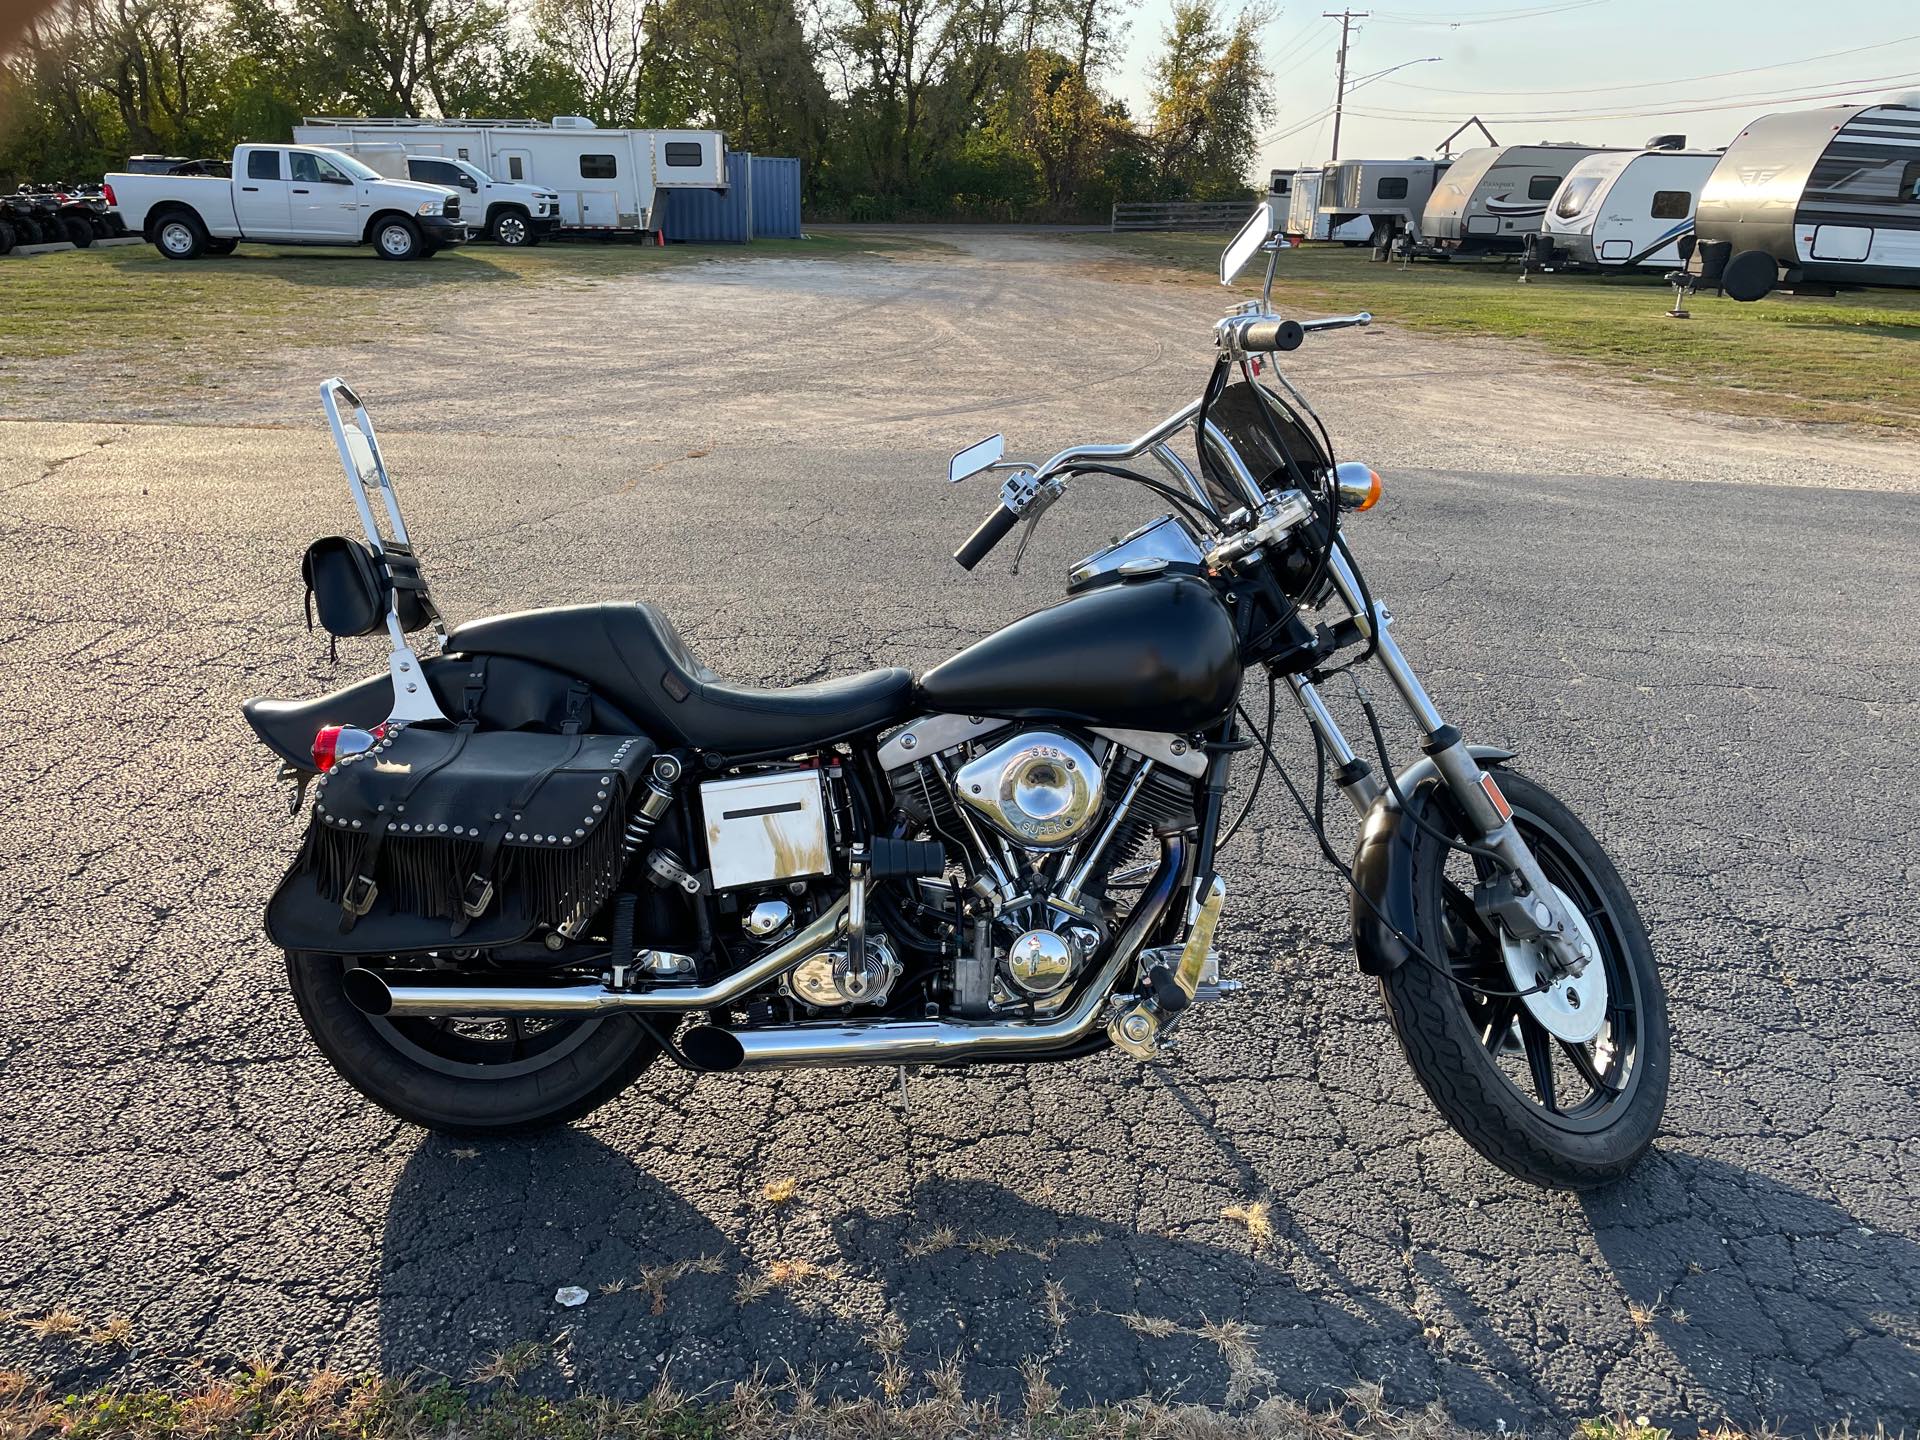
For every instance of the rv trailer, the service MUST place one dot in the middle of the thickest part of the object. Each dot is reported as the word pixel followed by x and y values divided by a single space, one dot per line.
pixel 1305 220
pixel 606 179
pixel 1491 199
pixel 1625 209
pixel 1388 195
pixel 1829 196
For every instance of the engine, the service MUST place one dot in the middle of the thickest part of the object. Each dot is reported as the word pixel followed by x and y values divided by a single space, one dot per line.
pixel 1041 822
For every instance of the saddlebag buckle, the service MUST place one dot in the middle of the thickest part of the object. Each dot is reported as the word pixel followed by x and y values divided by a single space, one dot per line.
pixel 477 896
pixel 359 896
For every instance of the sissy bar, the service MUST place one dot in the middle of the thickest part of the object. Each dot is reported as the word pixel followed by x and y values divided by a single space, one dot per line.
pixel 360 457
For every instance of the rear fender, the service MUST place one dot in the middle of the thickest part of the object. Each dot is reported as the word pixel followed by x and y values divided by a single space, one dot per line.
pixel 1384 863
pixel 518 695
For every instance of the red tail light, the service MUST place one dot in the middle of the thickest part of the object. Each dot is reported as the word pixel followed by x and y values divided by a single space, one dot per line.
pixel 107 190
pixel 334 743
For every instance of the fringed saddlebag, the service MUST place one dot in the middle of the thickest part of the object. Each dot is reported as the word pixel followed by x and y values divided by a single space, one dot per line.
pixel 441 837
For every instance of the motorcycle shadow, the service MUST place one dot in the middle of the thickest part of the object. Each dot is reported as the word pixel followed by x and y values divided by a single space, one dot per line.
pixel 1803 1315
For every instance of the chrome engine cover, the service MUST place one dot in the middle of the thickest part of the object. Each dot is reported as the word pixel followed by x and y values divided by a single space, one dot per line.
pixel 1041 789
pixel 827 981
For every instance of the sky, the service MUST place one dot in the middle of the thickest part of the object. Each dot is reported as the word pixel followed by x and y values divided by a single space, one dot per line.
pixel 1600 72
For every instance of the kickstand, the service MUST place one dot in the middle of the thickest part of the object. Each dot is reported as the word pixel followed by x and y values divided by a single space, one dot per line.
pixel 905 1099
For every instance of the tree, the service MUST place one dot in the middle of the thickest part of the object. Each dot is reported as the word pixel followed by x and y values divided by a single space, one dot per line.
pixel 746 67
pixel 393 57
pixel 600 42
pixel 1211 90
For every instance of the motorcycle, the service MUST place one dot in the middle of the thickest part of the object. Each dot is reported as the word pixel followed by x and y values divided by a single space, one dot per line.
pixel 562 847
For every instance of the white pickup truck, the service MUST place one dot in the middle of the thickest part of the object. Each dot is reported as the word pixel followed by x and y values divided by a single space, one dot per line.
pixel 506 212
pixel 288 195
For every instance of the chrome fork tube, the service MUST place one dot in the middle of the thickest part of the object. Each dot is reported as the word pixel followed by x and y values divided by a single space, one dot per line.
pixel 1466 782
pixel 1362 789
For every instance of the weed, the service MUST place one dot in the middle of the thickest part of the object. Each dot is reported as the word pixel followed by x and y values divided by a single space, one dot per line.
pixel 780 1192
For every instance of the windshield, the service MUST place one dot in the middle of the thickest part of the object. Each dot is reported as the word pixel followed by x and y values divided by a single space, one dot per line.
pixel 353 167
pixel 1575 194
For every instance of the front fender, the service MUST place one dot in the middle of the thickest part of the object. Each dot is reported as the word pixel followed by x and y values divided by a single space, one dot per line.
pixel 1384 863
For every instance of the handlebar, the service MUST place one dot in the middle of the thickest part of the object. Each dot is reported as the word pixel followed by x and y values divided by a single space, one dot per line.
pixel 1273 335
pixel 992 531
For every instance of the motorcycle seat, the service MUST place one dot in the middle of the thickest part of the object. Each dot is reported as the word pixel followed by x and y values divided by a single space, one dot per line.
pixel 632 654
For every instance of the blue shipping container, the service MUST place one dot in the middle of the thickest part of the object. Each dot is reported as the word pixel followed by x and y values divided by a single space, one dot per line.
pixel 762 201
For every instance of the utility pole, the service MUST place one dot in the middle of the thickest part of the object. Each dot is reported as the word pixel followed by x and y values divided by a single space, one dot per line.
pixel 1346 19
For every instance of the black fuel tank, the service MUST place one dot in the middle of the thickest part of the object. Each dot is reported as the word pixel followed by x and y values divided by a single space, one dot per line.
pixel 1156 654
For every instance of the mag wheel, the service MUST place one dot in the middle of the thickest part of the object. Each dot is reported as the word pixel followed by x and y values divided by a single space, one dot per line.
pixel 469 1075
pixel 1543 1109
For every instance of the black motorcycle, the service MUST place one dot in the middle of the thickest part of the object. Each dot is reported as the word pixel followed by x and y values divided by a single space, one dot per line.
pixel 563 845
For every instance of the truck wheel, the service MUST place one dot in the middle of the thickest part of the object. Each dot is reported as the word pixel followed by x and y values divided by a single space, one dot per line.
pixel 180 236
pixel 398 238
pixel 510 227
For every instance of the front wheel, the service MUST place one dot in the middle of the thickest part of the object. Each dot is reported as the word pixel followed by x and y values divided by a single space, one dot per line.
pixel 469 1075
pixel 1548 1111
pixel 398 238
pixel 510 227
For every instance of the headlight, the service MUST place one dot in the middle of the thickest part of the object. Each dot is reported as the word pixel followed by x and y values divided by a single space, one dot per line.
pixel 428 207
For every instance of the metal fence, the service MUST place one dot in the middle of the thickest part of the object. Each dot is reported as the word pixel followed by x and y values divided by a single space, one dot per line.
pixel 1181 215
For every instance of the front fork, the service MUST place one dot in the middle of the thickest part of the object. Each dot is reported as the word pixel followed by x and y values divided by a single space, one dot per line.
pixel 1520 897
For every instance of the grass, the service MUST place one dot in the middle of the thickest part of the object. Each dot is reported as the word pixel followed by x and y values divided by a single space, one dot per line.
pixel 129 301
pixel 1851 359
pixel 259 1402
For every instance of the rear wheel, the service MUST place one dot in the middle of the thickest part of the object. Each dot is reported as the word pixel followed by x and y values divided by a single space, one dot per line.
pixel 1543 1109
pixel 221 247
pixel 180 236
pixel 469 1075
pixel 78 232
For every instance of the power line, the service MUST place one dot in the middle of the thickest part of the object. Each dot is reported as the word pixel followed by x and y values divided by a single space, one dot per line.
pixel 1485 17
pixel 1726 102
pixel 1656 84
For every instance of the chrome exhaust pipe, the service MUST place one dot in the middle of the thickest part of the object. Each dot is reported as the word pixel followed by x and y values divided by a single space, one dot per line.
pixel 917 1042
pixel 372 994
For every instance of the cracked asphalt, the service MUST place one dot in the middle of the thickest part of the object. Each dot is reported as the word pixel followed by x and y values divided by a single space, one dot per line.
pixel 1698 631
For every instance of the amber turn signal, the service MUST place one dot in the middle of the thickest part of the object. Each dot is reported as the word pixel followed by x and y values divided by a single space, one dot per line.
pixel 1359 486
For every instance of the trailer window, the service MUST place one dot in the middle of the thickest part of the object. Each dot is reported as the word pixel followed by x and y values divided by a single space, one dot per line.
pixel 598 167
pixel 1391 187
pixel 263 165
pixel 683 153
pixel 514 171
pixel 1910 181
pixel 1672 204
pixel 1541 187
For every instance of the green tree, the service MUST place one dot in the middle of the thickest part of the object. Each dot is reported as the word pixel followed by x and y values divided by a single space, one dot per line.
pixel 1211 90
pixel 747 67
pixel 599 43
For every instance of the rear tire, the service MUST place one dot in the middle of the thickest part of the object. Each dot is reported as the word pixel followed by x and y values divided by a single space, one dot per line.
pixel 78 232
pixel 221 247
pixel 429 1073
pixel 179 235
pixel 1465 1049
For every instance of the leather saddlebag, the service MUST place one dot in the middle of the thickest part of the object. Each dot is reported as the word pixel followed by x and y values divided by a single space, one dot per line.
pixel 440 837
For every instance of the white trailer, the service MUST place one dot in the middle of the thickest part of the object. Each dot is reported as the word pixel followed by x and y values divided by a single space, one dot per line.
pixel 606 179
pixel 1305 219
pixel 1624 209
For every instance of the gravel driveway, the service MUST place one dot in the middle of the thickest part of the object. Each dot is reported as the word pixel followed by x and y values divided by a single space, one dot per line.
pixel 1719 674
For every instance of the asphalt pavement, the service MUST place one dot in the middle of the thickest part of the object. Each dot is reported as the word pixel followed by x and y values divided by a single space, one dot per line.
pixel 1698 632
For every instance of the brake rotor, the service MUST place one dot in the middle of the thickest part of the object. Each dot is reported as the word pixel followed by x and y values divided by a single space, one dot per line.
pixel 1572 1008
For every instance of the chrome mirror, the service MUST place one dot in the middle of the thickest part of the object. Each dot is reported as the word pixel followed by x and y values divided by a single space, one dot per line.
pixel 975 458
pixel 1245 245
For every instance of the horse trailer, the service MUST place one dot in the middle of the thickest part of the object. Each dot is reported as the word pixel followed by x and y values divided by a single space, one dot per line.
pixel 1828 196
pixel 1388 195
pixel 1305 219
pixel 1491 199
pixel 606 179
pixel 1625 209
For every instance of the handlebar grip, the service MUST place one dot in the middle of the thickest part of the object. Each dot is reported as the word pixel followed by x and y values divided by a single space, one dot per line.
pixel 1272 335
pixel 991 532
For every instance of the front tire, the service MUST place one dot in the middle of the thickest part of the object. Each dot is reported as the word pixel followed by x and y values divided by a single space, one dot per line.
pixel 511 227
pixel 463 1076
pixel 1546 1111
pixel 398 238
